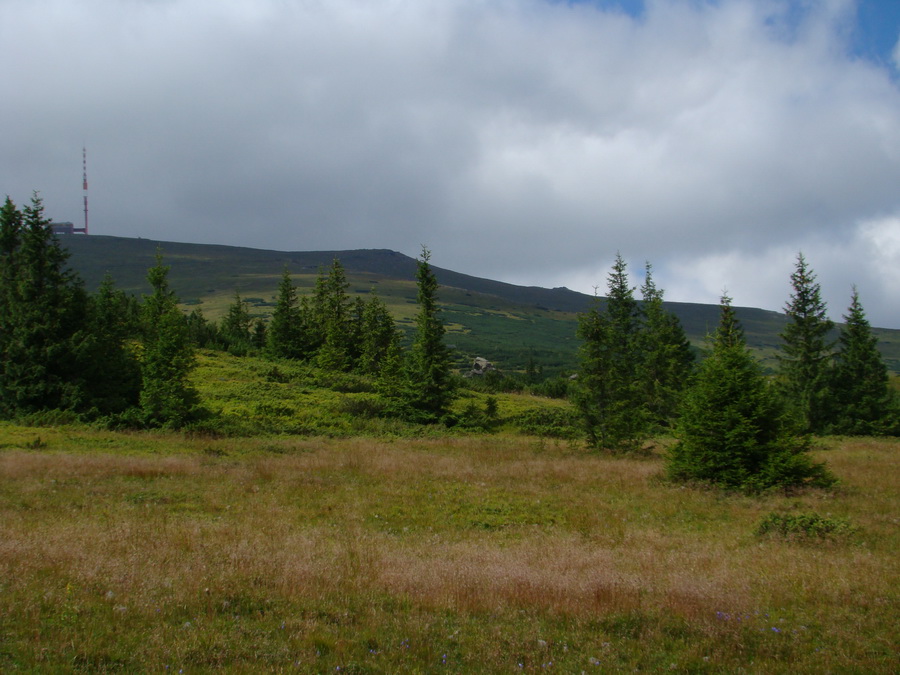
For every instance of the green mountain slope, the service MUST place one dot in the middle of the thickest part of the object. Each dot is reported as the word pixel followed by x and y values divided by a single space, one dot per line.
pixel 503 322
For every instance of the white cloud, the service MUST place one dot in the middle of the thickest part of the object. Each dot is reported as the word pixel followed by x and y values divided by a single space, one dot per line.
pixel 867 257
pixel 521 140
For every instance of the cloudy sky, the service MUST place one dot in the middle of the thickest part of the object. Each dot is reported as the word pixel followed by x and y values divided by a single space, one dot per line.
pixel 521 140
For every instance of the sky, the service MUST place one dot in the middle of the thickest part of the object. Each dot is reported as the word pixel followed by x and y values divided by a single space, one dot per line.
pixel 525 141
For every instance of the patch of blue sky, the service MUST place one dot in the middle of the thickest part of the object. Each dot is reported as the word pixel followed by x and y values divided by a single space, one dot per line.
pixel 877 31
pixel 631 7
pixel 873 36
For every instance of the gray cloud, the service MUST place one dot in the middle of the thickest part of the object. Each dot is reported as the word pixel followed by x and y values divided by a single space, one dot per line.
pixel 521 140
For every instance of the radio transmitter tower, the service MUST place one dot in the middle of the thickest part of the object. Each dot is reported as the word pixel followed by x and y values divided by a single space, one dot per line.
pixel 84 186
pixel 69 227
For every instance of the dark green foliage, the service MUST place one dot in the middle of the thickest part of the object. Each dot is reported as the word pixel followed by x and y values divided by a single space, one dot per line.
pixel 733 430
pixel 333 312
pixel 11 227
pixel 549 423
pixel 665 359
pixel 43 317
pixel 356 331
pixel 61 349
pixel 863 402
pixel 167 397
pixel 378 339
pixel 234 330
pixel 804 526
pixel 609 393
pixel 553 387
pixel 806 351
pixel 391 379
pixel 109 354
pixel 203 333
pixel 534 372
pixel 429 388
pixel 285 336
pixel 476 418
pixel 259 335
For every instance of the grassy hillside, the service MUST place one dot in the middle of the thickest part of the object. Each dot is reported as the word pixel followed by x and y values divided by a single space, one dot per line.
pixel 502 322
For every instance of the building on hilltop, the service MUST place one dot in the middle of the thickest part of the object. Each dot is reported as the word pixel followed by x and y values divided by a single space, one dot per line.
pixel 67 228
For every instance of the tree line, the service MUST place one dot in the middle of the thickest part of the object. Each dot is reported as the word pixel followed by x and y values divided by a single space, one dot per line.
pixel 109 355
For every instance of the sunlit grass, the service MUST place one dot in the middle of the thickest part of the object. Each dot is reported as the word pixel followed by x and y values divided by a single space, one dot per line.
pixel 141 551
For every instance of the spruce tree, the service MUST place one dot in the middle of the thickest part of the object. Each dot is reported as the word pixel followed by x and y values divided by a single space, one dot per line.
pixel 284 337
pixel 666 360
pixel 356 332
pixel 429 389
pixel 609 394
pixel 43 316
pixel 335 351
pixel 806 350
pixel 235 328
pixel 379 337
pixel 315 309
pixel 863 402
pixel 109 358
pixel 202 333
pixel 733 430
pixel 167 397
pixel 11 226
pixel 259 337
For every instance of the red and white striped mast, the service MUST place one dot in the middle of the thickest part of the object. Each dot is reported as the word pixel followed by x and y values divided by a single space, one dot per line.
pixel 85 187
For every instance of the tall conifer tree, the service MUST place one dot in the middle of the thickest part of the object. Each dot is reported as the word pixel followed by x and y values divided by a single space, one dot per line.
pixel 864 403
pixel 609 394
pixel 167 396
pixel 379 337
pixel 429 387
pixel 235 328
pixel 11 226
pixel 806 350
pixel 335 351
pixel 109 359
pixel 43 309
pixel 285 337
pixel 666 360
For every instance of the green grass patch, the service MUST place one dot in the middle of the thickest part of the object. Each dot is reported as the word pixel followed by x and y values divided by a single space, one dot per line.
pixel 804 526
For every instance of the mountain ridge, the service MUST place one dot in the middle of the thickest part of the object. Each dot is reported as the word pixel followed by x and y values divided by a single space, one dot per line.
pixel 208 275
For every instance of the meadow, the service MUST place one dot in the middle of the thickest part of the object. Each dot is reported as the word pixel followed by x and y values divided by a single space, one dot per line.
pixel 374 549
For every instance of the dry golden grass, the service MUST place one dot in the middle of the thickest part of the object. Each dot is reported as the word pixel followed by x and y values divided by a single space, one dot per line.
pixel 272 554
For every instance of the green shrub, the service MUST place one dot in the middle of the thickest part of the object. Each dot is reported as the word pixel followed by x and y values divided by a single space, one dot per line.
pixel 804 526
pixel 557 387
pixel 361 405
pixel 475 418
pixel 48 418
pixel 550 422
pixel 345 383
pixel 274 374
